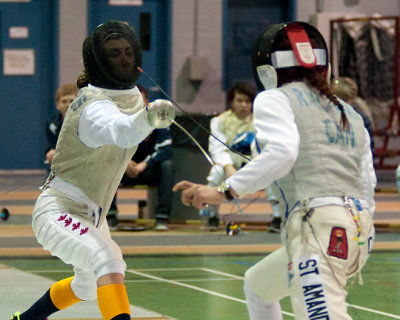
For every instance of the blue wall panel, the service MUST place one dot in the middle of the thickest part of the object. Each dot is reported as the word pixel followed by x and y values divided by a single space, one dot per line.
pixel 26 101
pixel 243 22
pixel 156 59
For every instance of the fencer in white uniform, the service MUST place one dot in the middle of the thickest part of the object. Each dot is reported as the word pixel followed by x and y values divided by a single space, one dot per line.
pixel 100 133
pixel 316 153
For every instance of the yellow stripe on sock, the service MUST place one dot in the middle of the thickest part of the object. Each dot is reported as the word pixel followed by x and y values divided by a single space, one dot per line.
pixel 113 300
pixel 61 294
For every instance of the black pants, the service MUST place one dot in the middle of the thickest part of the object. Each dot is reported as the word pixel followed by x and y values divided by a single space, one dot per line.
pixel 161 176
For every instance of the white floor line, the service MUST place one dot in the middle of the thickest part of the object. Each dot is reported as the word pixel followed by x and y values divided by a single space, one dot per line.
pixel 195 288
pixel 229 275
pixel 168 269
pixel 350 305
pixel 183 280
pixel 374 311
pixel 19 290
pixel 146 269
pixel 185 285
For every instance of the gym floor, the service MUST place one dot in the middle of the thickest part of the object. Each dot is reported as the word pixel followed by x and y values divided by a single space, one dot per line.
pixel 187 273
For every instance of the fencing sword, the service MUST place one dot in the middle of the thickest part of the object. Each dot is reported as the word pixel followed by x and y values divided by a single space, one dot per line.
pixel 161 114
pixel 192 119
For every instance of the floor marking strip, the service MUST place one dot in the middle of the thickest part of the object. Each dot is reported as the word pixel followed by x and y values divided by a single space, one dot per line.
pixel 184 280
pixel 195 288
pixel 186 285
pixel 375 311
pixel 229 275
pixel 168 269
pixel 350 305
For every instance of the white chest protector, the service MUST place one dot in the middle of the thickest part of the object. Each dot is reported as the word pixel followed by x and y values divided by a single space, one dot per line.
pixel 95 171
pixel 329 159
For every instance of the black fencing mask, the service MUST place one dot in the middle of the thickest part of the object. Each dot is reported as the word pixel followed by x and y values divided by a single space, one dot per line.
pixel 112 55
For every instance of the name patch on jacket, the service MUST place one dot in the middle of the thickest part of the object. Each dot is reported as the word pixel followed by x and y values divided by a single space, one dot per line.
pixel 337 136
pixel 78 102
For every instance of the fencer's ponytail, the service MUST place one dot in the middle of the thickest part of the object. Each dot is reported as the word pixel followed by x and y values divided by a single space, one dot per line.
pixel 83 80
pixel 344 122
pixel 315 77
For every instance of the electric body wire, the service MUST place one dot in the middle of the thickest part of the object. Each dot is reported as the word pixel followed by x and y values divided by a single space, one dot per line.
pixel 208 157
pixel 21 187
pixel 190 117
pixel 195 141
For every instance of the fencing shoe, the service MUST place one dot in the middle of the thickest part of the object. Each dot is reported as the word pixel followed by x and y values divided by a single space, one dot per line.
pixel 161 225
pixel 16 316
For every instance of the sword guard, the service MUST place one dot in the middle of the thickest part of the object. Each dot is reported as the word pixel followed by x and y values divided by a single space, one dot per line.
pixel 160 113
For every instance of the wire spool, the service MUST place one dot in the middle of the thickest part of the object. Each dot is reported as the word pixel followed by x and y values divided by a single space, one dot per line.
pixel 232 229
pixel 4 214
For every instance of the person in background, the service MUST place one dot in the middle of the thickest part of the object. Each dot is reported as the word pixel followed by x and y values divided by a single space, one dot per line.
pixel 151 165
pixel 235 128
pixel 347 90
pixel 64 97
pixel 100 133
pixel 315 151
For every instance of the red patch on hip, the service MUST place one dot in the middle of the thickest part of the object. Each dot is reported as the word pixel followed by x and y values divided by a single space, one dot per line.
pixel 338 246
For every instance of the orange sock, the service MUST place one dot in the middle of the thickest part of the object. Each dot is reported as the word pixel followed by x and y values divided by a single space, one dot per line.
pixel 113 300
pixel 62 295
